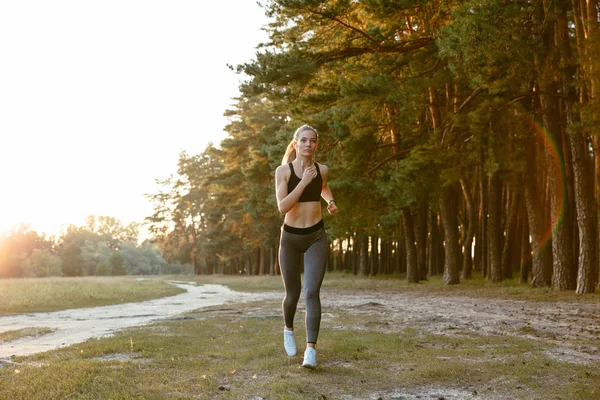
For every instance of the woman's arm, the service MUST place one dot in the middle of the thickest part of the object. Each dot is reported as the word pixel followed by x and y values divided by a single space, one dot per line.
pixel 326 192
pixel 286 201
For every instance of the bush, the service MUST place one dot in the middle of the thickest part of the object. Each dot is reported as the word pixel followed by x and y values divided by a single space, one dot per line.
pixel 117 264
pixel 142 260
pixel 42 263
pixel 177 269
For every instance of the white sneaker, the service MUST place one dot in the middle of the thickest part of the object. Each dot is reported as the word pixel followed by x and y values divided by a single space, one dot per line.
pixel 289 343
pixel 310 358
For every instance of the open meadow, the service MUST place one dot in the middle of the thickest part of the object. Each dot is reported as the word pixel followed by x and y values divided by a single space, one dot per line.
pixel 380 338
pixel 25 295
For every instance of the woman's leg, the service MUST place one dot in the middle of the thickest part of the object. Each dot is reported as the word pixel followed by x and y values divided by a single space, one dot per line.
pixel 290 261
pixel 314 270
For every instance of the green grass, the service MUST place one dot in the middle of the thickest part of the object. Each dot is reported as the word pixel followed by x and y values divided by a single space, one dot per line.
pixel 235 352
pixel 9 336
pixel 50 294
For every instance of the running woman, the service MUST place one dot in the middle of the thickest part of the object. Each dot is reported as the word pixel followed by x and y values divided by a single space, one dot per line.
pixel 299 185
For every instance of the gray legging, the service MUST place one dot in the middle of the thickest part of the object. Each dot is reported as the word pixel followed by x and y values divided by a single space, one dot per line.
pixel 313 243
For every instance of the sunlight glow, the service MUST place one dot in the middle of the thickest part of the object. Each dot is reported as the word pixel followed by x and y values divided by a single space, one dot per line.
pixel 99 98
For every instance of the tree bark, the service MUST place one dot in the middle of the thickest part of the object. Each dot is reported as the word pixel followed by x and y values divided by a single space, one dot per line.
pixel 271 260
pixel 592 27
pixel 436 247
pixel 340 264
pixel 450 223
pixel 550 108
pixel 197 266
pixel 494 229
pixel 483 242
pixel 511 235
pixel 412 269
pixel 375 255
pixel 585 221
pixel 364 253
pixel 262 269
pixel 421 238
pixel 525 253
pixel 535 220
pixel 401 259
pixel 467 264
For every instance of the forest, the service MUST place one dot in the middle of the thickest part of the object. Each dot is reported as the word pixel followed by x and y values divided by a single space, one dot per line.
pixel 461 138
pixel 102 246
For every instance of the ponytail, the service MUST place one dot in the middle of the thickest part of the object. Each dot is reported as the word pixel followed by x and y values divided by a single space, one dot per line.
pixel 290 153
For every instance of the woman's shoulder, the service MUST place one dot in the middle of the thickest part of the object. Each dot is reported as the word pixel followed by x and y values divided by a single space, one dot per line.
pixel 322 167
pixel 282 170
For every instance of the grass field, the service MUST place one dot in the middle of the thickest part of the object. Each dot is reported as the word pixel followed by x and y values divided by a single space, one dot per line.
pixel 235 352
pixel 50 294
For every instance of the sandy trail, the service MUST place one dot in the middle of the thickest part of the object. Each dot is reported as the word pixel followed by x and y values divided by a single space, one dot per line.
pixel 572 327
pixel 78 325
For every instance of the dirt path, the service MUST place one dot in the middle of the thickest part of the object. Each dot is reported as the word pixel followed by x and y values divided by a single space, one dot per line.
pixel 572 327
pixel 78 325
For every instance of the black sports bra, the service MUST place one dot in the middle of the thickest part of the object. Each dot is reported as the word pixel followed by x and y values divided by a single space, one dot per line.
pixel 312 192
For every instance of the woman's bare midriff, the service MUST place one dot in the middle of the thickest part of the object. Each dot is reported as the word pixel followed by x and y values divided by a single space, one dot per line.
pixel 304 215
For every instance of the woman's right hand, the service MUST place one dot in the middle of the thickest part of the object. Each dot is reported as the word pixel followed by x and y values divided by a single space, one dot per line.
pixel 309 173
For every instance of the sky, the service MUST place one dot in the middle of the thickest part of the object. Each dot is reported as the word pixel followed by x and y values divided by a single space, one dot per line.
pixel 98 99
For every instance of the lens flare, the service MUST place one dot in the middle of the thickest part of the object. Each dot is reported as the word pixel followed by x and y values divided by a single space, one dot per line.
pixel 553 156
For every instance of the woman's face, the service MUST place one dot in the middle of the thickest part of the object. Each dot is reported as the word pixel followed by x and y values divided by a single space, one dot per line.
pixel 306 143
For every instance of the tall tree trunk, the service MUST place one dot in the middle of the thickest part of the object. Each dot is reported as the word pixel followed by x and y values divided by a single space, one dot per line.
pixel 512 235
pixel 197 266
pixel 364 253
pixel 538 214
pixel 340 263
pixel 483 243
pixel 494 229
pixel 467 264
pixel 272 262
pixel 388 256
pixel 550 108
pixel 350 266
pixel 586 278
pixel 436 247
pixel 374 255
pixel 525 262
pixel 421 238
pixel 412 270
pixel 535 220
pixel 401 253
pixel 592 28
pixel 351 254
pixel 383 257
pixel 262 269
pixel 517 253
pixel 583 198
pixel 448 211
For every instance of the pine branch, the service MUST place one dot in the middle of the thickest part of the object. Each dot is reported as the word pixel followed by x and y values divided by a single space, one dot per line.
pixel 424 72
pixel 330 147
pixel 393 157
pixel 404 47
pixel 352 28
pixel 469 99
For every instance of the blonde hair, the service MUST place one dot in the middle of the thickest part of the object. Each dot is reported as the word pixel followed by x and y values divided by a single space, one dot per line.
pixel 290 152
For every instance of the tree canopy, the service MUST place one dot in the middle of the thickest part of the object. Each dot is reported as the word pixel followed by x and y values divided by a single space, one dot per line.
pixel 459 135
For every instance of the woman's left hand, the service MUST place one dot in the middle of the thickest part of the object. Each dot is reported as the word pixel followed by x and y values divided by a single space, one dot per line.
pixel 332 208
